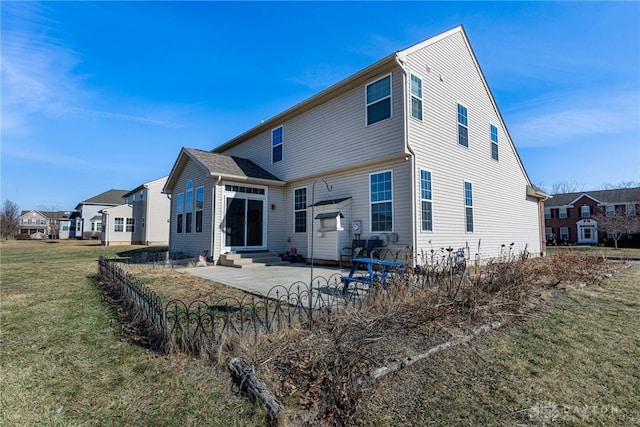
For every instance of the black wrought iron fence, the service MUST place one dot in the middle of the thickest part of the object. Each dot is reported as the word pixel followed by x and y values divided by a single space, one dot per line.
pixel 200 327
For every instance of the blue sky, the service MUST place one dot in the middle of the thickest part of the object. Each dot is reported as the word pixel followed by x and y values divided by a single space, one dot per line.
pixel 103 95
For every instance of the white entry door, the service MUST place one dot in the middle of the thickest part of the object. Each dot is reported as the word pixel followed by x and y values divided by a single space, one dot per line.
pixel 587 232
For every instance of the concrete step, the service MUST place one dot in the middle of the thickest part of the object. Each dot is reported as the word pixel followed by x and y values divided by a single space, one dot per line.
pixel 250 260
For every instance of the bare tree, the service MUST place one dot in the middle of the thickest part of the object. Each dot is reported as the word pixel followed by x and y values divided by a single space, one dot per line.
pixel 618 223
pixel 566 187
pixel 53 221
pixel 9 219
pixel 621 184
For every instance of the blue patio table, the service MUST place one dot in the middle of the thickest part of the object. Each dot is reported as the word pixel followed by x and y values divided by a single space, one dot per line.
pixel 370 276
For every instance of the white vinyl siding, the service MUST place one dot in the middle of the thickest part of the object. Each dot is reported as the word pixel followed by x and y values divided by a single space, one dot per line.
pixel 453 77
pixel 326 129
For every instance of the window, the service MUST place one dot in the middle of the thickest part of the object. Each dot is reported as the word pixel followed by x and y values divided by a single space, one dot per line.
pixel 548 231
pixel 118 225
pixel 468 206
pixel 179 211
pixel 277 139
pixel 562 213
pixel 463 131
pixel 494 142
pixel 378 96
pixel 610 210
pixel 188 207
pixel 142 222
pixel 199 208
pixel 564 233
pixel 585 211
pixel 130 222
pixel 425 196
pixel 42 222
pixel 381 197
pixel 547 213
pixel 630 210
pixel 416 97
pixel 300 210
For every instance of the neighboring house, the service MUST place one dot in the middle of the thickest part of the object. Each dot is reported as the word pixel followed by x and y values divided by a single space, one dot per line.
pixel 53 225
pixel 69 223
pixel 413 148
pixel 571 218
pixel 89 222
pixel 34 224
pixel 118 226
pixel 143 219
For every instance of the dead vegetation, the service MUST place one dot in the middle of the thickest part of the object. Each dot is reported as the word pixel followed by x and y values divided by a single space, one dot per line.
pixel 322 375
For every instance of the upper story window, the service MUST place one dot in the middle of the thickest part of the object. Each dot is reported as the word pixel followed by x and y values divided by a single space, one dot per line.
pixel 300 210
pixel 416 97
pixel 630 210
pixel 425 196
pixel 585 211
pixel 381 199
pixel 468 206
pixel 547 213
pixel 277 141
pixel 562 213
pixel 610 210
pixel 378 96
pixel 463 123
pixel 199 208
pixel 494 142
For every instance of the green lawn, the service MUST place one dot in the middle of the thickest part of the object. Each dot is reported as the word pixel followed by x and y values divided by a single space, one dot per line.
pixel 65 362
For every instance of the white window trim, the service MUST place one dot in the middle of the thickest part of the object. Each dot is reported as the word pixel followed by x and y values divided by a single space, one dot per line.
pixel 393 216
pixel 428 200
pixel 280 144
pixel 582 211
pixel 496 143
pixel 460 124
pixel 306 192
pixel 464 195
pixel 366 104
pixel 421 98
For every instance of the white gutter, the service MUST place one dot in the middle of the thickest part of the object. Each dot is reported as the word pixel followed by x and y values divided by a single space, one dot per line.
pixel 414 224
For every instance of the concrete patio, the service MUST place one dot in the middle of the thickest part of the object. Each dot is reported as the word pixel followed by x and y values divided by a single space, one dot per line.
pixel 262 279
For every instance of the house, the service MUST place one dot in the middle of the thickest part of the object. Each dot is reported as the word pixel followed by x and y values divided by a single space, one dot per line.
pixel 89 222
pixel 572 218
pixel 34 224
pixel 143 218
pixel 411 152
pixel 47 224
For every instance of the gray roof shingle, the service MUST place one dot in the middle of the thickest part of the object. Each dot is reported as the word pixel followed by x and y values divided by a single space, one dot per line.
pixel 108 198
pixel 230 165
pixel 618 196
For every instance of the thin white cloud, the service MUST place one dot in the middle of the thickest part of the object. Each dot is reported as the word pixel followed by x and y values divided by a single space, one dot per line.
pixel 567 120
pixel 126 117
pixel 39 75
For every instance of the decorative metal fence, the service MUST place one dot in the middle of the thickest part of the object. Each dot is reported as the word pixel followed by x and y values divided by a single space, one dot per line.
pixel 200 327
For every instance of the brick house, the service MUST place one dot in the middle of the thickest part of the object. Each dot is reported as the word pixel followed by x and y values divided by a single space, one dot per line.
pixel 571 218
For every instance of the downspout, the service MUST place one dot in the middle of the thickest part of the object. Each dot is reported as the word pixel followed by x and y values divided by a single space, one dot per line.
pixel 414 225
